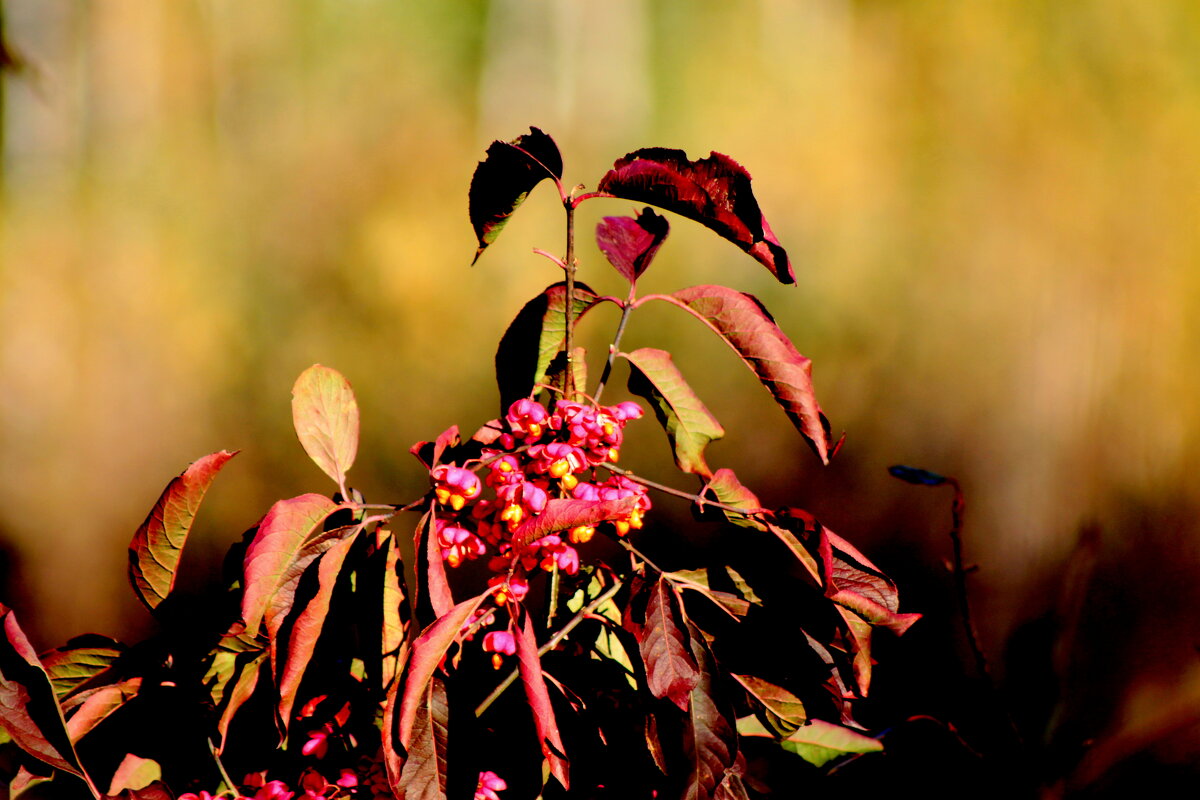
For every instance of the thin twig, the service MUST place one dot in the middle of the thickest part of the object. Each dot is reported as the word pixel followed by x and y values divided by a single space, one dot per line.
pixel 626 308
pixel 552 642
pixel 695 498
pixel 212 748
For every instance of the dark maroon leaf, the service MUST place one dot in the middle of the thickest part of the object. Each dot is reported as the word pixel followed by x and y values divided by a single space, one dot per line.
pixel 747 327
pixel 689 425
pixel 280 536
pixel 561 515
pixel 539 701
pixel 505 177
pixel 630 244
pixel 533 338
pixel 710 741
pixel 306 630
pixel 713 191
pixel 158 544
pixel 29 712
pixel 670 670
pixel 423 776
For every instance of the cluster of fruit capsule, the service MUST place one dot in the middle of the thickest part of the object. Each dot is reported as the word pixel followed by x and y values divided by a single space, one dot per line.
pixel 539 456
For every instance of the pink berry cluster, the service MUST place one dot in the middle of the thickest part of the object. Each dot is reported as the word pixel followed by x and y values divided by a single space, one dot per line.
pixel 538 456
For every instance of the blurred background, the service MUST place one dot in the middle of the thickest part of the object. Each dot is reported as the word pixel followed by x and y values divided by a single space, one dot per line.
pixel 992 209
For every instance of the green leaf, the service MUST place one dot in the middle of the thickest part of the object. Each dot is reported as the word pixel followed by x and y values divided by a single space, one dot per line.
pixel 818 742
pixel 697 581
pixel 744 588
pixel 725 487
pixel 609 646
pixel 783 712
pixel 689 425
pixel 742 321
pixel 158 544
pixel 241 692
pixel 82 659
pixel 325 415
pixel 279 539
pixel 534 337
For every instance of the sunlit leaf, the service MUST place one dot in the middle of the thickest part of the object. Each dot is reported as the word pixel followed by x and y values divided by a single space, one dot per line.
pixel 709 742
pixel 782 710
pixel 858 632
pixel 561 515
pixel 726 489
pixel 608 645
pixel 325 415
pixel 133 774
pixel 713 191
pixel 241 692
pixel 670 670
pixel 629 243
pixel 556 374
pixel 95 705
pixel 424 774
pixel 437 586
pixel 689 425
pixel 697 581
pixel 25 780
pixel 306 629
pixel 539 701
pixel 158 543
pixel 80 660
pixel 534 337
pixel 747 327
pixel 818 742
pixel 394 628
pixel 504 179
pixel 744 588
pixel 280 536
pixel 29 711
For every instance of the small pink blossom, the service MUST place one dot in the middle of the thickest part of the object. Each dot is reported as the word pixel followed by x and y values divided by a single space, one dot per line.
pixel 489 784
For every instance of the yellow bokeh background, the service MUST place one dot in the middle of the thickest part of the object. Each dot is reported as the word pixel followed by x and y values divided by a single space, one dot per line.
pixel 993 210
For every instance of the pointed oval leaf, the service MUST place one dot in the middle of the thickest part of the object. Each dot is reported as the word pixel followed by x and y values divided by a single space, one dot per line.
pixel 697 581
pixel 689 425
pixel 134 774
pixel 713 191
pixel 158 543
pixel 79 661
pixel 424 774
pixel 505 178
pixel 306 630
pixel 710 741
pixel 561 515
pixel 747 327
pixel 818 742
pixel 96 705
pixel 534 337
pixel 427 651
pixel 725 487
pixel 784 711
pixel 279 539
pixel 325 415
pixel 241 692
pixel 670 670
pixel 29 712
pixel 539 701
pixel 629 243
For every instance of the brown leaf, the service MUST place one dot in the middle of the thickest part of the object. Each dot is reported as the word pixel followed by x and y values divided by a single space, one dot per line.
pixel 670 670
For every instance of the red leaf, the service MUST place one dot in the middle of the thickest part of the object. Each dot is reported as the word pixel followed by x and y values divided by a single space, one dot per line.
pixel 423 776
pixel 747 327
pixel 437 586
pixel 96 705
pixel 505 177
pixel 710 741
pixel 427 652
pixel 280 536
pixel 157 545
pixel 29 712
pixel 728 490
pixel 670 670
pixel 242 690
pixel 561 515
pixel 325 415
pixel 690 426
pixel 630 244
pixel 539 701
pixel 533 338
pixel 306 630
pixel 713 191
